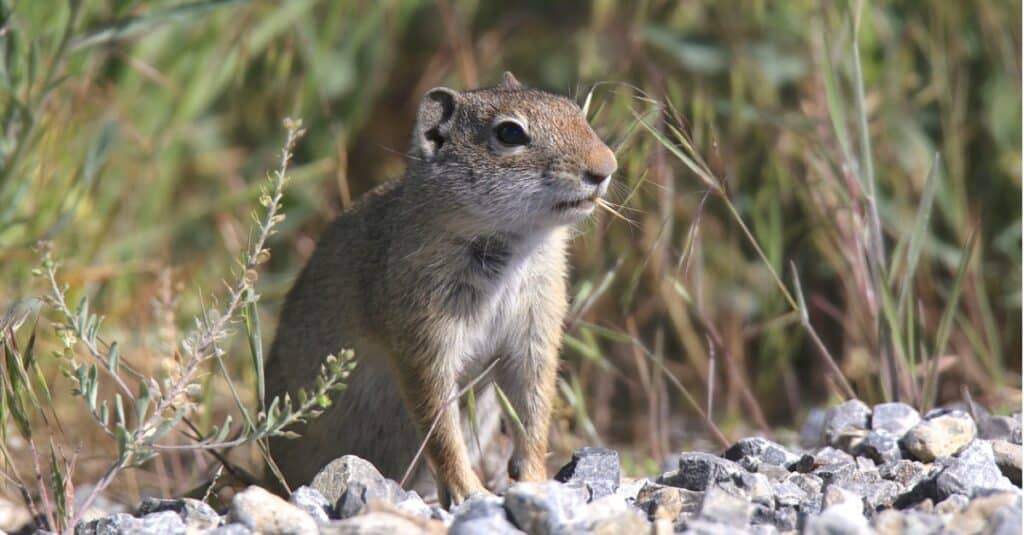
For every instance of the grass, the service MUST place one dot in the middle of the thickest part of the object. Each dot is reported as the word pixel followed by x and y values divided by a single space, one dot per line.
pixel 815 200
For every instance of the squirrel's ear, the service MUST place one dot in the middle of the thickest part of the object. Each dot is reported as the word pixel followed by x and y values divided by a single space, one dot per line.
pixel 433 122
pixel 508 81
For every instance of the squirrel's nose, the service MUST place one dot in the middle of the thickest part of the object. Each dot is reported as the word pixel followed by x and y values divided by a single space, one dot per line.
pixel 600 164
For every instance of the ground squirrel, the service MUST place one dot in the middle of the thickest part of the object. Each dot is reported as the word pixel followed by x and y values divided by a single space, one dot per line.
pixel 432 277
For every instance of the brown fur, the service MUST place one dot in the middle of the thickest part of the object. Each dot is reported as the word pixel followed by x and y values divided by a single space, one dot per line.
pixel 432 277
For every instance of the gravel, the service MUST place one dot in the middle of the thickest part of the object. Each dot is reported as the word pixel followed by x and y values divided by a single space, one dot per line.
pixel 881 469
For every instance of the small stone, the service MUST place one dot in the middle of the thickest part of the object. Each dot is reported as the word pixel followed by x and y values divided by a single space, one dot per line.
pixel 412 504
pixel 756 487
pixel 788 494
pixel 697 471
pixel 609 515
pixel 845 518
pixel 482 515
pixel 850 440
pixel 999 428
pixel 381 523
pixel 973 471
pixel 812 434
pixel 830 455
pixel 780 519
pixel 893 522
pixel 725 508
pixel 996 513
pixel 941 436
pixel 836 495
pixel 775 473
pixel 266 513
pixel 952 504
pixel 159 523
pixel 543 508
pixel 836 472
pixel 630 487
pixel 762 449
pixel 906 473
pixel 667 502
pixel 597 469
pixel 332 480
pixel 894 418
pixel 1009 458
pixel 230 529
pixel 880 447
pixel 313 503
pixel 848 416
pixel 197 515
pixel 811 485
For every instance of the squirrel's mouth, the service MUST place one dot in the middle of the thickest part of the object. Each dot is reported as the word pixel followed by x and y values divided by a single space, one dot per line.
pixel 585 203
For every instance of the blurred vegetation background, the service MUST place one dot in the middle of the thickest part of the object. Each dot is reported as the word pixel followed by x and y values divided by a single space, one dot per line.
pixel 136 135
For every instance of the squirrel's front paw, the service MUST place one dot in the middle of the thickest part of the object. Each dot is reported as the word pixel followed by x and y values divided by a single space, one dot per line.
pixel 453 493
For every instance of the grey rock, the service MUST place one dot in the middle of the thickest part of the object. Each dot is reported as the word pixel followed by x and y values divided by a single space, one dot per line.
pixel 313 503
pixel 543 508
pixel 230 529
pixel 668 502
pixel 629 488
pixel 836 472
pixel 847 416
pixel 755 487
pixel 159 523
pixel 597 469
pixel 805 464
pixel 970 473
pixel 725 508
pixel 707 527
pixel 412 504
pixel 196 515
pixel 907 474
pixel 482 516
pixel 843 518
pixel 332 480
pixel 952 504
pixel 881 447
pixel 780 519
pixel 994 514
pixel 830 455
pixel 836 495
pixel 941 436
pixel 811 485
pixel 894 418
pixel 762 449
pixel 788 494
pixel 266 513
pixel 1009 458
pixel 893 522
pixel 379 523
pixel 1000 428
pixel 697 471
pixel 812 434
pixel 850 440
pixel 609 515
pixel 774 473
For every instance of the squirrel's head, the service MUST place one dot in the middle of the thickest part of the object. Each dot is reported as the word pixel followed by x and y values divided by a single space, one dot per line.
pixel 508 156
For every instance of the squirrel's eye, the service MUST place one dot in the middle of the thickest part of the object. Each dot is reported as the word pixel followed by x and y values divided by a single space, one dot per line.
pixel 511 133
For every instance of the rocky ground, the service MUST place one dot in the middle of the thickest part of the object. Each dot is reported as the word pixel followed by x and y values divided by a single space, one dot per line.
pixel 860 470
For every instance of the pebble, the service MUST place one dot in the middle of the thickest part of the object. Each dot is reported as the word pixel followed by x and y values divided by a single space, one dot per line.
pixel 894 418
pixel 482 515
pixel 1010 458
pixel 597 469
pixel 852 415
pixel 941 436
pixel 259 510
pixel 543 508
pixel 196 515
pixel 313 503
pixel 697 471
